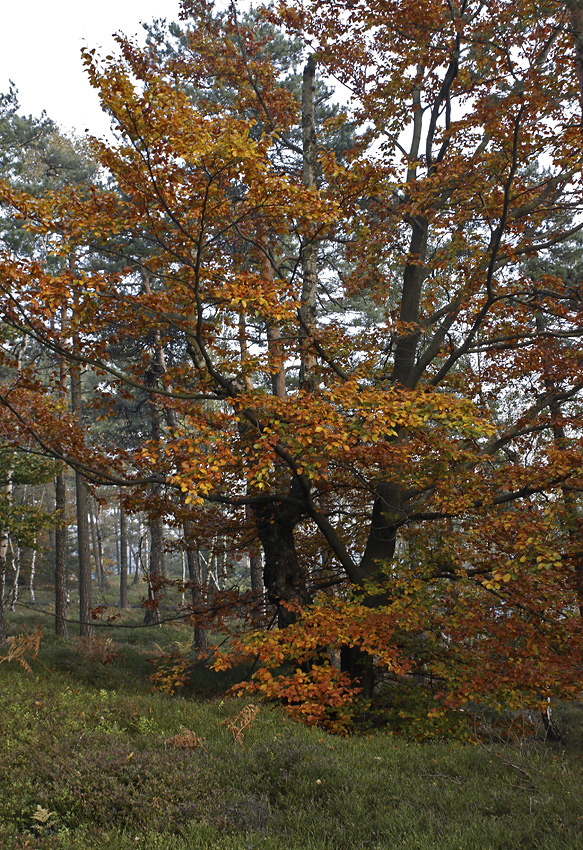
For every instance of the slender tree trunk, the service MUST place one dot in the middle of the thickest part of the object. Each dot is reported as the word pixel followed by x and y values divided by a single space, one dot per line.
pixel 2 588
pixel 200 640
pixel 307 311
pixel 84 556
pixel 50 507
pixel 61 628
pixel 6 493
pixel 97 544
pixel 140 559
pixel 82 495
pixel 123 559
pixel 83 535
pixel 60 530
pixel 16 566
pixel 32 575
pixel 156 571
pixel 197 582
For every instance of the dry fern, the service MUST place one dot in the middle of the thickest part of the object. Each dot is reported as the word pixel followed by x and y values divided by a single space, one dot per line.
pixel 43 819
pixel 237 725
pixel 22 645
pixel 186 740
pixel 95 648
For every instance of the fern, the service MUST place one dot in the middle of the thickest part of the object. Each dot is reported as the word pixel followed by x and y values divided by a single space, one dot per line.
pixel 22 645
pixel 237 725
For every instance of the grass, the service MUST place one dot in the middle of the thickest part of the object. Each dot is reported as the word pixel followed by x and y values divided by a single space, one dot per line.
pixel 90 757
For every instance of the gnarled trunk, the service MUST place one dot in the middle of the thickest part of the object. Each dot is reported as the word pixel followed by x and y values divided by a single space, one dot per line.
pixel 284 576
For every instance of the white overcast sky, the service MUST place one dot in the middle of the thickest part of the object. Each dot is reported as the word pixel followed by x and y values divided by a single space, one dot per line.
pixel 40 43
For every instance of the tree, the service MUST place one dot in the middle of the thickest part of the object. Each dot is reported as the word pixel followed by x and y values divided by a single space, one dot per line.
pixel 20 523
pixel 355 362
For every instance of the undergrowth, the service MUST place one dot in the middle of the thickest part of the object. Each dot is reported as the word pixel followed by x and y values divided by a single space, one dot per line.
pixel 90 757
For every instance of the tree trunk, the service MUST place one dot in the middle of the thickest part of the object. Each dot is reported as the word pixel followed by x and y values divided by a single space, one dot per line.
pixel 61 628
pixel 575 8
pixel 139 559
pixel 97 546
pixel 82 501
pixel 32 575
pixel 6 493
pixel 285 578
pixel 197 582
pixel 256 571
pixel 16 566
pixel 3 554
pixel 379 551
pixel 156 571
pixel 83 556
pixel 83 537
pixel 309 257
pixel 123 559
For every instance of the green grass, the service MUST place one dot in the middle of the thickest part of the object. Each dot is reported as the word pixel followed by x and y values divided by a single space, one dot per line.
pixel 92 745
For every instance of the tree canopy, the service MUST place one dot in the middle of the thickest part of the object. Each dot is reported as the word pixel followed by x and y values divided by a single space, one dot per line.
pixel 352 328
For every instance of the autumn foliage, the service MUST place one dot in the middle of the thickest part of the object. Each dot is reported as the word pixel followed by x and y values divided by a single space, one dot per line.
pixel 356 335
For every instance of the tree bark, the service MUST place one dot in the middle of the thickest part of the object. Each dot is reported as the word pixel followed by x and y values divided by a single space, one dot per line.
pixel 83 536
pixel 156 571
pixel 32 575
pixel 575 9
pixel 97 546
pixel 61 628
pixel 197 582
pixel 83 556
pixel 6 492
pixel 285 577
pixel 16 566
pixel 309 256
pixel 123 559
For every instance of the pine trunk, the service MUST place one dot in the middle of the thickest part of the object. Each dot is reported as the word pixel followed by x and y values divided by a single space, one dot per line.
pixel 123 559
pixel 61 628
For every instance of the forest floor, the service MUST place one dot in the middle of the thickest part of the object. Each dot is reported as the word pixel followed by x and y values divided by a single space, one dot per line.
pixel 91 758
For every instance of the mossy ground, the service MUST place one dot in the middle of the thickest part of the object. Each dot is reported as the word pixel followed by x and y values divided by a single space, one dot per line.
pixel 94 752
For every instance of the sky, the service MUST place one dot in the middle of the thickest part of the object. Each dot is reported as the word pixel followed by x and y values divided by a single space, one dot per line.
pixel 40 43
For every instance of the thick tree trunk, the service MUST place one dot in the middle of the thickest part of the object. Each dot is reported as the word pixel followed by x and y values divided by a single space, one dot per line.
pixel 413 277
pixel 572 512
pixel 379 551
pixel 285 578
pixel 386 518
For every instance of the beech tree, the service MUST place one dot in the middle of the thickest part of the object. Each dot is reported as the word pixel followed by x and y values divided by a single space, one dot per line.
pixel 358 366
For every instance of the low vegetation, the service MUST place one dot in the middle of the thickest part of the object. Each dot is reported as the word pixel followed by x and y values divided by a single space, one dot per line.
pixel 91 757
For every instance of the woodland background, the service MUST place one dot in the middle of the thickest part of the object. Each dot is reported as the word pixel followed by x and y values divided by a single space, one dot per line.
pixel 296 359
